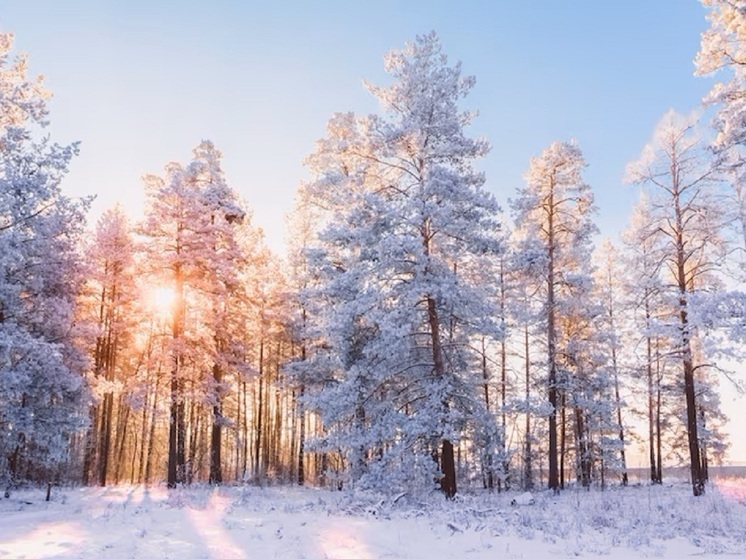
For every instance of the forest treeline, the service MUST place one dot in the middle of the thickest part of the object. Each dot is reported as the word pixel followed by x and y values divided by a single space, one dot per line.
pixel 414 336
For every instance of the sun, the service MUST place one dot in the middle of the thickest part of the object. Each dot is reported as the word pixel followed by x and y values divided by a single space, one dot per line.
pixel 161 300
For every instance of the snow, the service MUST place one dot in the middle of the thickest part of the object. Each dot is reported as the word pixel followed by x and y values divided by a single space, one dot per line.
pixel 523 499
pixel 246 522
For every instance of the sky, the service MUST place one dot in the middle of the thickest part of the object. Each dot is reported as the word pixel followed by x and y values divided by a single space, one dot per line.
pixel 140 83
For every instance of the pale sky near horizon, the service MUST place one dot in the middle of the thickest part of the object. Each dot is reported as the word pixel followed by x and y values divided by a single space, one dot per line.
pixel 141 82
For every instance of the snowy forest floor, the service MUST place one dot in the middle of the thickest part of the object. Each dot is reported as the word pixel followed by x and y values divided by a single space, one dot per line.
pixel 248 522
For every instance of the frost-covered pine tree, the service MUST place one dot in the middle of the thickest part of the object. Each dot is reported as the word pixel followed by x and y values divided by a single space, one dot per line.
pixel 723 53
pixel 611 336
pixel 109 306
pixel 643 291
pixel 553 218
pixel 42 395
pixel 303 222
pixel 189 228
pixel 723 48
pixel 400 298
pixel 687 220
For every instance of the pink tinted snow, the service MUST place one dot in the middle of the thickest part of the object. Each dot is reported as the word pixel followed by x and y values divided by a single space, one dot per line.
pixel 294 523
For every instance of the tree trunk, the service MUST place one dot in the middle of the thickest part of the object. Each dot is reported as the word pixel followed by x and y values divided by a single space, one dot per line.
pixel 615 368
pixel 91 444
pixel 216 471
pixel 490 481
pixel 583 449
pixel 245 429
pixel 105 438
pixel 448 481
pixel 301 437
pixel 651 406
pixel 554 481
pixel 122 424
pixel 447 463
pixel 172 430
pixel 622 453
pixel 563 439
pixel 658 412
pixel 108 363
pixel 504 414
pixel 151 437
pixel 703 446
pixel 143 436
pixel 698 482
pixel 260 412
pixel 528 474
pixel 176 428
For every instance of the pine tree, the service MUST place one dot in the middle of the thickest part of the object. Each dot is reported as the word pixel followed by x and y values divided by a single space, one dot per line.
pixel 303 223
pixel 723 47
pixel 190 225
pixel 611 293
pixel 723 52
pixel 410 226
pixel 643 289
pixel 110 304
pixel 686 213
pixel 552 213
pixel 41 367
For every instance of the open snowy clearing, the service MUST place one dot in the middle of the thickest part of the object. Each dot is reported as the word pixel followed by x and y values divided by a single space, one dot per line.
pixel 251 522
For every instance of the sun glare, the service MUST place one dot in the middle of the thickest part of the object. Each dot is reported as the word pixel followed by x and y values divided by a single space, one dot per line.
pixel 162 300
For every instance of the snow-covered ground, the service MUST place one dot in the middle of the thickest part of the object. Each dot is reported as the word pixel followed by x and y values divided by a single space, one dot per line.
pixel 256 523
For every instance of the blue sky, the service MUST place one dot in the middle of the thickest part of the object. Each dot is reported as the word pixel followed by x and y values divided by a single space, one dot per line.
pixel 141 82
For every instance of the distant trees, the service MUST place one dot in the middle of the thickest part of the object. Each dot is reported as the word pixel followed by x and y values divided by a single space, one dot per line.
pixel 110 308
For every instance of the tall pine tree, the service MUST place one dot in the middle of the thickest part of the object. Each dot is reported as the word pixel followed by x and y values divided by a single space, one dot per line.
pixel 399 303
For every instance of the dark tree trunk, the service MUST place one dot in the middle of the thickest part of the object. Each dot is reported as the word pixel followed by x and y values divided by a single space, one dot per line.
pixel 121 439
pixel 504 414
pixel 176 427
pixel 658 414
pixel 216 470
pixel 105 438
pixel 143 436
pixel 563 440
pixel 528 478
pixel 490 477
pixel 448 481
pixel 620 424
pixel 108 363
pixel 301 437
pixel 447 462
pixel 151 436
pixel 651 407
pixel 172 431
pixel 554 481
pixel 259 413
pixel 245 430
pixel 91 445
pixel 698 481
pixel 583 449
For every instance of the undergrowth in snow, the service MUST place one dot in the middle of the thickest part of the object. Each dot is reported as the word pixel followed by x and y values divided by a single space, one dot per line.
pixel 245 522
